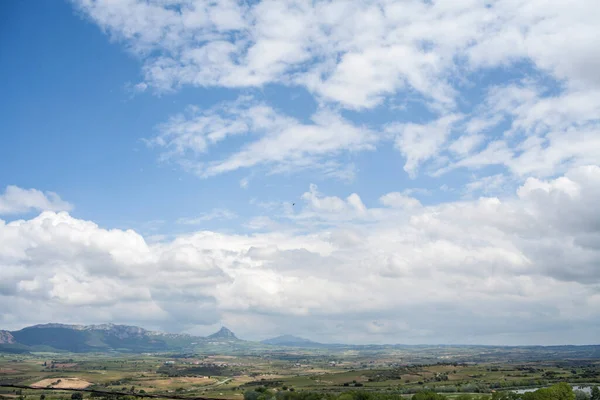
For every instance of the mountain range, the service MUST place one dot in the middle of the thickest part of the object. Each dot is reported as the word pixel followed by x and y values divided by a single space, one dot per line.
pixel 125 338
pixel 111 338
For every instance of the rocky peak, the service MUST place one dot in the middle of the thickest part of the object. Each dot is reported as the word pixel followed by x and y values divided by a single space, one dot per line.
pixel 223 333
pixel 6 338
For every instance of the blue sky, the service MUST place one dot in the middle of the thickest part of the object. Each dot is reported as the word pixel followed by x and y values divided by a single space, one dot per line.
pixel 176 136
pixel 84 138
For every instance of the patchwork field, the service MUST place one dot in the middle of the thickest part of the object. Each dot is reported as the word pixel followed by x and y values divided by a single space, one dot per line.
pixel 62 383
pixel 229 377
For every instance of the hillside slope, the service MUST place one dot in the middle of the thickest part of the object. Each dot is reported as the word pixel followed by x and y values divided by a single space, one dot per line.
pixel 102 338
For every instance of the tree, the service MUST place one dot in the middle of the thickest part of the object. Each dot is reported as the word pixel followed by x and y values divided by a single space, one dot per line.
pixel 595 393
pixel 505 396
pixel 77 396
pixel 581 395
pixel 42 396
pixel 428 395
pixel 560 391
pixel 251 395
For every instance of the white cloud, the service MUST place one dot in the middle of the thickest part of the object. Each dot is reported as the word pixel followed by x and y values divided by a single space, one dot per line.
pixel 355 52
pixel 488 185
pixel 216 213
pixel 16 200
pixel 465 144
pixel 359 54
pixel 478 263
pixel 547 135
pixel 420 142
pixel 281 142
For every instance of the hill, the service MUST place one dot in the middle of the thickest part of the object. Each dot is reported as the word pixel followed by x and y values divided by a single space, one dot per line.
pixel 103 338
pixel 223 334
pixel 291 341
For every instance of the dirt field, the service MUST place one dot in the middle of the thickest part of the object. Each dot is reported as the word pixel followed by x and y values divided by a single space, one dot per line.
pixel 272 376
pixel 65 383
pixel 164 383
pixel 8 371
pixel 65 365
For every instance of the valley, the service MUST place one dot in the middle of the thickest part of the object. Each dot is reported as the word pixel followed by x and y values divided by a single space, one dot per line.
pixel 54 360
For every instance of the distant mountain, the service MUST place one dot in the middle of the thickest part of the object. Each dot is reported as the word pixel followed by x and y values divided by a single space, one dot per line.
pixel 111 338
pixel 291 341
pixel 223 334
pixel 121 331
pixel 88 338
pixel 105 338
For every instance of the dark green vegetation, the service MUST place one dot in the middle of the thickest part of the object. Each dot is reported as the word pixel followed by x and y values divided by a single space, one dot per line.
pixel 559 391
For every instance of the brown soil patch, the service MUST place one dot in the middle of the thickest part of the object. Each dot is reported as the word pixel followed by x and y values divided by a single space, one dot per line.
pixel 270 376
pixel 320 371
pixel 65 383
pixel 243 379
pixel 8 371
pixel 171 382
pixel 65 365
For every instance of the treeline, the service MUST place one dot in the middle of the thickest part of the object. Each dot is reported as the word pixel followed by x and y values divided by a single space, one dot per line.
pixel 200 370
pixel 559 391
pixel 267 394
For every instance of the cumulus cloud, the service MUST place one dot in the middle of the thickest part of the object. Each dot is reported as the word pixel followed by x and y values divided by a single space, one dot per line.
pixel 16 200
pixel 402 272
pixel 420 142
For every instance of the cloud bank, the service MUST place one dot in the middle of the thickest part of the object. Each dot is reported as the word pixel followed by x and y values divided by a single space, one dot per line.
pixel 521 269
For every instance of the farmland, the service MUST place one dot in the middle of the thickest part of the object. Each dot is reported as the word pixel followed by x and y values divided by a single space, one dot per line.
pixel 230 376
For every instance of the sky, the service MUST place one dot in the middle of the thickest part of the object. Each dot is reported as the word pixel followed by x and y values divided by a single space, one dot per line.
pixel 352 171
